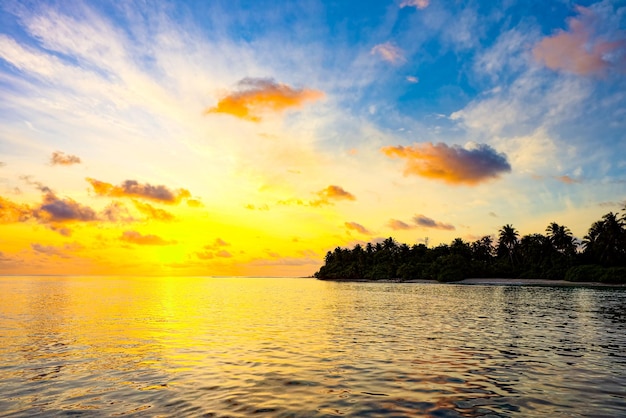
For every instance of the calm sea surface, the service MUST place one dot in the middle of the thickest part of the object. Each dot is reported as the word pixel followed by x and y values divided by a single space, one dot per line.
pixel 110 346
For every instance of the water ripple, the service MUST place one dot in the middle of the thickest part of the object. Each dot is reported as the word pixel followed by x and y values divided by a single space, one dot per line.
pixel 295 347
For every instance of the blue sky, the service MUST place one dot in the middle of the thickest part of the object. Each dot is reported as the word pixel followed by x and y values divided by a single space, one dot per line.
pixel 300 126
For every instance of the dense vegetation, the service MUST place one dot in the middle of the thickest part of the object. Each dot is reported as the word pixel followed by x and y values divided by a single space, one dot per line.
pixel 601 257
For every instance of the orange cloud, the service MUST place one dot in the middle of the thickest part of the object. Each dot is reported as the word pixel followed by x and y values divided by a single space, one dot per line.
pixel 420 4
pixel 336 192
pixel 451 164
pixel 151 212
pixel 11 212
pixel 258 95
pixel 576 50
pixel 332 192
pixel 60 158
pixel 389 52
pixel 353 226
pixel 426 222
pixel 132 188
pixel 135 237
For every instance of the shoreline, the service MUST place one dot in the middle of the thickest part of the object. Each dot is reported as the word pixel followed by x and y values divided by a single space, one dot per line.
pixel 488 282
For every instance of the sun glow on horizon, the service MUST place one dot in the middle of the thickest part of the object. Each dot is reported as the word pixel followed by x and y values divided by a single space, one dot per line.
pixel 197 139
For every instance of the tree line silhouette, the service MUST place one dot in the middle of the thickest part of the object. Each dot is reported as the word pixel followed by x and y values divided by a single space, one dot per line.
pixel 600 257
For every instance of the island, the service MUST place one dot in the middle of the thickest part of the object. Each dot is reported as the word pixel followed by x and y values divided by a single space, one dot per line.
pixel 556 255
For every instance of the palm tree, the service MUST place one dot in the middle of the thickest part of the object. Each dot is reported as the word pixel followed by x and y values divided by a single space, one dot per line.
pixel 507 239
pixel 482 249
pixel 606 240
pixel 561 238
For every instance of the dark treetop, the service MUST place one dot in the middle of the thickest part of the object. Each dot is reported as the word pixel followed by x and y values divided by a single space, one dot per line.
pixel 555 255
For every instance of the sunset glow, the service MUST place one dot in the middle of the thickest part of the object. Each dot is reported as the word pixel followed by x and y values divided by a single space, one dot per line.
pixel 221 138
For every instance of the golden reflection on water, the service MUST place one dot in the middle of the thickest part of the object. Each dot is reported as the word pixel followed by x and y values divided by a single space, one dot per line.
pixel 241 346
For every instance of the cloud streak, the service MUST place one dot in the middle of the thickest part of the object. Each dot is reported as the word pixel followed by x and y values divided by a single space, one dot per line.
pixel 426 222
pixel 135 237
pixel 256 96
pixel 326 196
pixel 132 188
pixel 398 225
pixel 51 250
pixel 451 164
pixel 353 226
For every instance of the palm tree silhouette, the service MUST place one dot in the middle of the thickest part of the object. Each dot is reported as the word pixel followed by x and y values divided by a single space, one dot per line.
pixel 561 238
pixel 507 238
pixel 606 240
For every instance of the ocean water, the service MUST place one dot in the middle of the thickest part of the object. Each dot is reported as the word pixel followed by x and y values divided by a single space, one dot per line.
pixel 241 347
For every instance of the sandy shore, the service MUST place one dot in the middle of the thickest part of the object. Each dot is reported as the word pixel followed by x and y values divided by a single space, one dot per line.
pixel 494 282
pixel 534 282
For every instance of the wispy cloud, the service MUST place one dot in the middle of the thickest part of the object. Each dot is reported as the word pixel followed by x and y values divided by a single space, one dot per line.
pixel 420 4
pixel 389 52
pixel 60 158
pixel 426 222
pixel 132 188
pixel 256 96
pixel 326 196
pixel 138 238
pixel 52 250
pixel 451 164
pixel 577 50
pixel 353 226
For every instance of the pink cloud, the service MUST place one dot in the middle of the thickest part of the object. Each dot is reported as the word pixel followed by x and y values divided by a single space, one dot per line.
pixel 419 4
pixel 353 226
pixel 398 225
pixel 577 50
pixel 389 52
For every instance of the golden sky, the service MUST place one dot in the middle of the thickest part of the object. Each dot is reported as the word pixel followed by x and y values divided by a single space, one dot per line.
pixel 217 139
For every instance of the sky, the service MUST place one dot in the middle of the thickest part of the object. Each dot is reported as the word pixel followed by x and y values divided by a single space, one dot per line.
pixel 251 137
